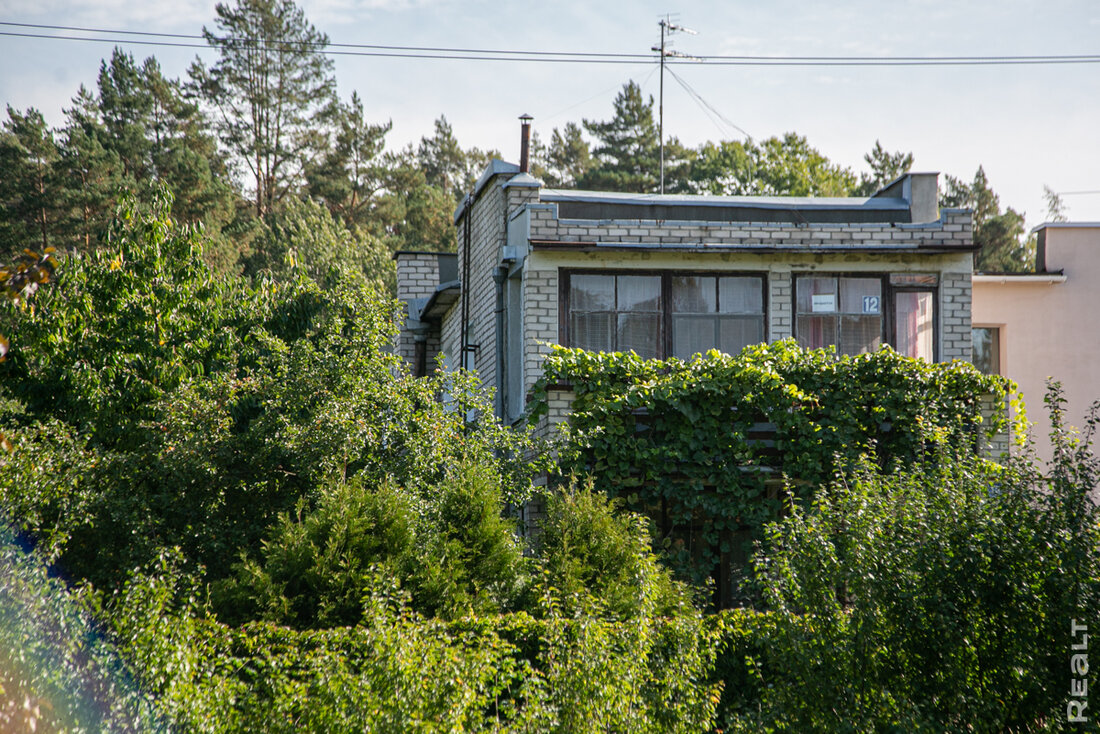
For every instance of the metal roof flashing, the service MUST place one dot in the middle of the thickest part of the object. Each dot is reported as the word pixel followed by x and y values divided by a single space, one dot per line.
pixel 496 167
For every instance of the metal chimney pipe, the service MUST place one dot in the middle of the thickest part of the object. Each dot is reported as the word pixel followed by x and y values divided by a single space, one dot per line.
pixel 525 143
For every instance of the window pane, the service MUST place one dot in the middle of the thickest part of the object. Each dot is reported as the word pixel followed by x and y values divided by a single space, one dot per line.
pixel 913 320
pixel 987 350
pixel 810 287
pixel 816 332
pixel 693 294
pixel 859 334
pixel 593 331
pixel 740 295
pixel 737 332
pixel 639 293
pixel 861 295
pixel 692 335
pixel 592 292
pixel 640 332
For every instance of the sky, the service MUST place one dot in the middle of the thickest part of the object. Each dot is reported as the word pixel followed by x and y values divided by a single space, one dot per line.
pixel 1028 126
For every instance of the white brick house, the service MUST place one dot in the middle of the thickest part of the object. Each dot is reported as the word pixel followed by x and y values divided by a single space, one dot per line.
pixel 672 275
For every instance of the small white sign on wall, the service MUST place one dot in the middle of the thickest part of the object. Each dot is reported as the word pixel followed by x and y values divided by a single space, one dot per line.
pixel 824 303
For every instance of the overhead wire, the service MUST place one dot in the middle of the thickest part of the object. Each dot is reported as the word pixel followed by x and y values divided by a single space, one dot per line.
pixel 706 106
pixel 150 38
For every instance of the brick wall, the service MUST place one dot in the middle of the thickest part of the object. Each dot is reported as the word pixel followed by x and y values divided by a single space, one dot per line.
pixel 417 277
pixel 956 338
pixel 955 229
pixel 780 306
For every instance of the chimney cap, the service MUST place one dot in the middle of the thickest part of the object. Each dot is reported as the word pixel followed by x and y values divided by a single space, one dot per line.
pixel 525 118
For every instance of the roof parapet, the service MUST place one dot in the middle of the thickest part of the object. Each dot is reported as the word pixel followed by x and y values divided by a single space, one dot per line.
pixel 920 190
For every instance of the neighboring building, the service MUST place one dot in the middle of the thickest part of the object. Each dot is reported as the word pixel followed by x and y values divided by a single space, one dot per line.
pixel 1031 326
pixel 672 275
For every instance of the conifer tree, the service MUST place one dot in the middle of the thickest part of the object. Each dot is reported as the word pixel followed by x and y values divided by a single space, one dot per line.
pixel 271 92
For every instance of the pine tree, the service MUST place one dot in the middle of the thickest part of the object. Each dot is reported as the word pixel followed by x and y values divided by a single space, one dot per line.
pixel 353 172
pixel 628 148
pixel 271 91
pixel 28 185
pixel 999 235
pixel 885 167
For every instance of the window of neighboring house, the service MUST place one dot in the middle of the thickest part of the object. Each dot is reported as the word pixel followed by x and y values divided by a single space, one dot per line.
pixel 859 314
pixel 662 314
pixel 987 349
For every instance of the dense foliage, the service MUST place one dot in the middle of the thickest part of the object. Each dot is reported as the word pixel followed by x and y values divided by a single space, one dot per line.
pixel 677 440
pixel 151 403
pixel 936 599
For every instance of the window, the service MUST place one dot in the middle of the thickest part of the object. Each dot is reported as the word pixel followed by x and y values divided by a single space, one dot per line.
pixel 859 314
pixel 987 349
pixel 616 313
pixel 662 314
pixel 710 312
pixel 841 312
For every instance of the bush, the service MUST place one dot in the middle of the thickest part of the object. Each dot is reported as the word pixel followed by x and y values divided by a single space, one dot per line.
pixel 449 547
pixel 598 560
pixel 159 406
pixel 937 598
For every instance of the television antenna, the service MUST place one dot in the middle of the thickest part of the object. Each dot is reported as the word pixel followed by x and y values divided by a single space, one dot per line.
pixel 668 27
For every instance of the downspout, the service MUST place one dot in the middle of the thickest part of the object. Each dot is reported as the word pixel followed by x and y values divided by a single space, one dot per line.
pixel 420 353
pixel 499 275
pixel 463 344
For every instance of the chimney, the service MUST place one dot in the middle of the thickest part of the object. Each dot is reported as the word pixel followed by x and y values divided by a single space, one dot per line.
pixel 525 142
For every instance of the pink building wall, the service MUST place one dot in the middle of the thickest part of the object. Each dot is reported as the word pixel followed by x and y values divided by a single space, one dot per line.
pixel 1049 323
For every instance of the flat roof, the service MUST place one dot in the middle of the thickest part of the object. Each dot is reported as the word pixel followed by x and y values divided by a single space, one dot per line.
pixel 762 202
pixel 1066 225
pixel 609 205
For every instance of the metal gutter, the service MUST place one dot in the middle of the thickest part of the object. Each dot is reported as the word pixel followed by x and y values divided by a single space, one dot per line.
pixel 1021 278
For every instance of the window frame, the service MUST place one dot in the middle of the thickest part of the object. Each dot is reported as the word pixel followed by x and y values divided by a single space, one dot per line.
pixel 666 274
pixel 888 308
pixel 999 355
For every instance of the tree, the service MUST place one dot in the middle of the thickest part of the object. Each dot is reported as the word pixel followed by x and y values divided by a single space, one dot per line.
pixel 999 236
pixel 446 165
pixel 885 167
pixel 1056 208
pixel 271 92
pixel 29 156
pixel 787 166
pixel 160 138
pixel 565 160
pixel 628 148
pixel 352 173
pixel 303 237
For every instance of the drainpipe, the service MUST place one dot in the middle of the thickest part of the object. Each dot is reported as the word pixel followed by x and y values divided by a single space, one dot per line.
pixel 420 353
pixel 499 276
pixel 464 310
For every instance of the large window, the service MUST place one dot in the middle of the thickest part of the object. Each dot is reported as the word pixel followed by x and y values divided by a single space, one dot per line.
pixel 663 314
pixel 858 313
pixel 712 312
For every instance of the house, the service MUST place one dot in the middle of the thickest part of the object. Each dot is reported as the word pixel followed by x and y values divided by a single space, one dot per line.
pixel 670 275
pixel 1021 323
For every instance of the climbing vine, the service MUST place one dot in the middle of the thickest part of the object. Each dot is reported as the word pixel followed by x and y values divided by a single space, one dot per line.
pixel 710 448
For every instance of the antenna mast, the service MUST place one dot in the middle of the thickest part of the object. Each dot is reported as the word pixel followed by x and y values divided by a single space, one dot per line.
pixel 667 28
